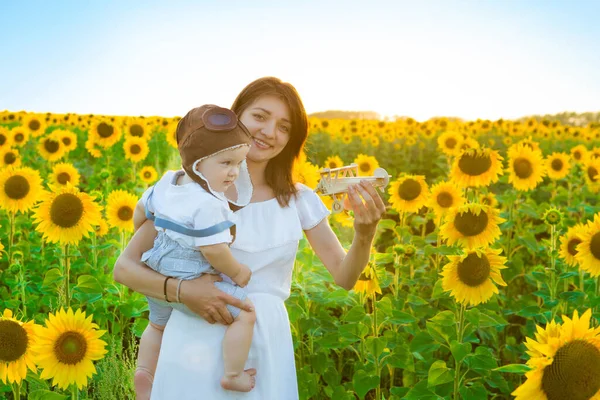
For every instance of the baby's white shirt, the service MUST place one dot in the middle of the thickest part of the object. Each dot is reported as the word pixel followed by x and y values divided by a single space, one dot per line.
pixel 191 206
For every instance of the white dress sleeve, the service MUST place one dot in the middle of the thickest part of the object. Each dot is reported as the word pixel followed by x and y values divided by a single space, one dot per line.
pixel 212 212
pixel 311 209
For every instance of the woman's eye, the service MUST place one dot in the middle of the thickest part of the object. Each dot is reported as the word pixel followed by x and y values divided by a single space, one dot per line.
pixel 284 128
pixel 259 117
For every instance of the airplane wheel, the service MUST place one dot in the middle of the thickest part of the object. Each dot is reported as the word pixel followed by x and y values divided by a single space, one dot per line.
pixel 337 206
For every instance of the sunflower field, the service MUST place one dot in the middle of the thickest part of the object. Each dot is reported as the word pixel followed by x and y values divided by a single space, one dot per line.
pixel 484 279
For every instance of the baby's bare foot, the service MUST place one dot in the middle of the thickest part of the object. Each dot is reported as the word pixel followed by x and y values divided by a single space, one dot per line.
pixel 243 382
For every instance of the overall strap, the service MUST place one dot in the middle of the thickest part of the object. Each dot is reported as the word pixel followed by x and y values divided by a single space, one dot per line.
pixel 174 226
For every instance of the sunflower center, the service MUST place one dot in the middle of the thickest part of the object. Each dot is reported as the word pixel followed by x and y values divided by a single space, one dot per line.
pixel 592 172
pixel 469 224
pixel 51 146
pixel 147 174
pixel 574 373
pixel 19 137
pixel 34 125
pixel 557 164
pixel 136 130
pixel 10 158
pixel 70 348
pixel 105 130
pixel 63 178
pixel 66 141
pixel 16 187
pixel 473 164
pixel 445 199
pixel 2 139
pixel 572 246
pixel 135 149
pixel 473 270
pixel 595 245
pixel 125 213
pixel 66 210
pixel 450 143
pixel 577 155
pixel 365 167
pixel 13 341
pixel 409 190
pixel 332 164
pixel 523 168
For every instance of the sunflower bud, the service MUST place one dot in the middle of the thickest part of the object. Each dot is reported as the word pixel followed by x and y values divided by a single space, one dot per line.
pixel 104 174
pixel 553 216
pixel 399 250
pixel 409 250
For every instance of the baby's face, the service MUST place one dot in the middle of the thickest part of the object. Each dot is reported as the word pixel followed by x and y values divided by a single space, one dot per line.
pixel 222 169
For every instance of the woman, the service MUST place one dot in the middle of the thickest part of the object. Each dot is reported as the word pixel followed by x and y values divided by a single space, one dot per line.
pixel 267 238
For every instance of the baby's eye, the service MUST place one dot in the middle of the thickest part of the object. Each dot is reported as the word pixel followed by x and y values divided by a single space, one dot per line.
pixel 225 162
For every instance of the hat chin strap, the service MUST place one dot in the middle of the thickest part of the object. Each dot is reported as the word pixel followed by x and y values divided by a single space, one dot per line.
pixel 243 185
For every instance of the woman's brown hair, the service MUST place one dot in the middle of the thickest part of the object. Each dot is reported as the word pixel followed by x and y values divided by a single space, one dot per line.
pixel 278 173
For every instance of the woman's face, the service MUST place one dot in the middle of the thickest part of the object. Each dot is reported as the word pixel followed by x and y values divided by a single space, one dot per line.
pixel 269 122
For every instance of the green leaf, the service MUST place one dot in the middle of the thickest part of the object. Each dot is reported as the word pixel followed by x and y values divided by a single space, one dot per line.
pixel 572 297
pixel 529 241
pixel 387 224
pixel 415 300
pixel 459 350
pixel 444 318
pixel 356 314
pixel 423 343
pixel 401 318
pixel 52 276
pixel 376 345
pixel 530 311
pixel 88 284
pixel 514 368
pixel 421 392
pixel 439 374
pixel 474 392
pixel 363 382
pixel 45 395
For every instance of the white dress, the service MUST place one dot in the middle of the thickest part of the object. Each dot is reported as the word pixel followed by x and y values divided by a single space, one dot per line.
pixel 190 364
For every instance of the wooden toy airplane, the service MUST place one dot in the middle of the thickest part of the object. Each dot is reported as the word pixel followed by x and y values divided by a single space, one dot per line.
pixel 335 181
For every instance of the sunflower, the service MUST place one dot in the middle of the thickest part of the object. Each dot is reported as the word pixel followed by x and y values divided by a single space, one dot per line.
pixel 51 148
pixel 471 225
pixel 90 146
pixel 68 139
pixel 367 282
pixel 119 209
pixel 16 341
pixel 19 189
pixel 565 360
pixel 450 143
pixel 409 193
pixel 6 139
pixel 579 153
pixel 148 174
pixel 172 135
pixel 588 251
pixel 366 165
pixel 569 242
pixel 63 174
pixel 333 162
pixel 488 199
pixel 444 196
pixel 530 144
pixel 477 167
pixel 102 228
pixel 66 215
pixel 558 165
pixel 35 125
pixel 67 345
pixel 136 149
pixel 526 167
pixel 591 169
pixel 104 133
pixel 470 277
pixel 469 143
pixel 137 127
pixel 306 173
pixel 9 157
pixel 18 136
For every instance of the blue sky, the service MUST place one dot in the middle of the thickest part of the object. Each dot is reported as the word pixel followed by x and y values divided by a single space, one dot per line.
pixel 472 59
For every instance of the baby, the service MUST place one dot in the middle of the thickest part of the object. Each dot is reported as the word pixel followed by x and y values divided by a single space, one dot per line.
pixel 195 228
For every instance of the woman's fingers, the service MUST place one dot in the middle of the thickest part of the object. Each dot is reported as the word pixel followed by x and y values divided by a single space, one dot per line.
pixel 378 201
pixel 224 316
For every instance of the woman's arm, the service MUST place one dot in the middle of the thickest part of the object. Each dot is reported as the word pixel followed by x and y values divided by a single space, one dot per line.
pixel 345 268
pixel 200 295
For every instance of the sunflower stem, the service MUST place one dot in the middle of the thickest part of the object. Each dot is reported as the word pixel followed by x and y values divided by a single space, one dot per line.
pixel 16 391
pixel 582 280
pixel 11 219
pixel 74 392
pixel 376 334
pixel 23 284
pixel 459 336
pixel 67 273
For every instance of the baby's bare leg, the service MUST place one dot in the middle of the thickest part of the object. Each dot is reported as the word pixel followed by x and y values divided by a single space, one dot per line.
pixel 236 345
pixel 147 360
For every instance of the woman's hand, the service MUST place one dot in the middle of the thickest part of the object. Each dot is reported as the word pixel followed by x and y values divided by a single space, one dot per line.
pixel 202 297
pixel 367 214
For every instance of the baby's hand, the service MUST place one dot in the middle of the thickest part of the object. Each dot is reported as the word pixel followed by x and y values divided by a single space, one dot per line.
pixel 243 276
